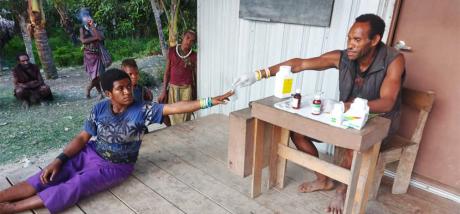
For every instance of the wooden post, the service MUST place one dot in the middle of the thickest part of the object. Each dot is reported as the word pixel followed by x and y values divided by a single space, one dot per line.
pixel 272 165
pixel 277 164
pixel 258 158
pixel 404 170
pixel 240 142
pixel 379 170
pixel 361 182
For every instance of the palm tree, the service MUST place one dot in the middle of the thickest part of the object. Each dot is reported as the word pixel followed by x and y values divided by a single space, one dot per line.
pixel 37 27
pixel 19 11
pixel 172 22
pixel 156 12
pixel 26 36
pixel 65 20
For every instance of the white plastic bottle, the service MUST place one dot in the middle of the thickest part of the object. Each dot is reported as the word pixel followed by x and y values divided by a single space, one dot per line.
pixel 283 82
pixel 337 114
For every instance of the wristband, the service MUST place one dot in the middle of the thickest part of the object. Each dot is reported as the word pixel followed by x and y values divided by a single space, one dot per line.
pixel 258 75
pixel 209 102
pixel 267 73
pixel 63 157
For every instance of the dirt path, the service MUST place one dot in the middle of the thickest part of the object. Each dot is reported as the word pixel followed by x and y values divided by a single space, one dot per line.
pixel 28 134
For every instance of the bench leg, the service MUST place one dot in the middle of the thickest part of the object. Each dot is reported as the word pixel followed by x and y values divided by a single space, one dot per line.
pixel 404 170
pixel 277 165
pixel 362 174
pixel 258 158
pixel 273 158
pixel 379 170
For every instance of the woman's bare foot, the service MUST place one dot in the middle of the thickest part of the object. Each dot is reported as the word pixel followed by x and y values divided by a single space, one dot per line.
pixel 336 205
pixel 316 185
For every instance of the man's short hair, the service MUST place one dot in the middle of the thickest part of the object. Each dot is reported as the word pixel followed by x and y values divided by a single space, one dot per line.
pixel 129 63
pixel 110 76
pixel 376 23
pixel 21 54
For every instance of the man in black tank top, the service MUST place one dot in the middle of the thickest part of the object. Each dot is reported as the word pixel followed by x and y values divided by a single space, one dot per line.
pixel 368 69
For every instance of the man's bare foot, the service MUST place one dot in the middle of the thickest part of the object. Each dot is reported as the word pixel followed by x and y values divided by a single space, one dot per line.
pixel 336 205
pixel 6 208
pixel 316 185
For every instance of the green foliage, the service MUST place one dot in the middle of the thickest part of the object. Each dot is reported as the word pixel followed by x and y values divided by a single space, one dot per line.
pixel 146 79
pixel 129 28
pixel 66 54
pixel 128 48
pixel 13 47
pixel 159 75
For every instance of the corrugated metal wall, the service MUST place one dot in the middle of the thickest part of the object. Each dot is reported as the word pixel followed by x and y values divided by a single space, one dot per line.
pixel 229 46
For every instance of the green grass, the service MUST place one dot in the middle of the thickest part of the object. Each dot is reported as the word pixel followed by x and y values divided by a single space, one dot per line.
pixel 33 131
pixel 41 128
pixel 67 54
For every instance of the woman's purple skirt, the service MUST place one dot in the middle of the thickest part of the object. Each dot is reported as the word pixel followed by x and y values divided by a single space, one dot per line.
pixel 83 175
pixel 93 63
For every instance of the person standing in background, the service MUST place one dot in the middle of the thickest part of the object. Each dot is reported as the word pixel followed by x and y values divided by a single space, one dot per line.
pixel 90 36
pixel 179 82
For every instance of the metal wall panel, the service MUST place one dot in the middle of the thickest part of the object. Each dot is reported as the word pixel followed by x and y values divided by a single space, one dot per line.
pixel 229 46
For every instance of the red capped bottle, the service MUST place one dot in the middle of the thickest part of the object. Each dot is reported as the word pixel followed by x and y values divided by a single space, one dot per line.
pixel 316 105
pixel 296 99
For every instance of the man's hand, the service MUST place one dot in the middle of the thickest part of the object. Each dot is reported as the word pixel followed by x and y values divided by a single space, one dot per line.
pixel 50 171
pixel 162 97
pixel 244 80
pixel 222 99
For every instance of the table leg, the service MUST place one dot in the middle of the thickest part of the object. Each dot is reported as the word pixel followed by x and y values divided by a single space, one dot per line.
pixel 277 164
pixel 362 174
pixel 258 157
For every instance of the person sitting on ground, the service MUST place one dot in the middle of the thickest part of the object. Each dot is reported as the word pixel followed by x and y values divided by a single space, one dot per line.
pixel 29 86
pixel 88 166
pixel 140 93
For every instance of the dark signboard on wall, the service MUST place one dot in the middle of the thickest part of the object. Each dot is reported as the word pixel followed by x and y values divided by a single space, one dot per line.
pixel 304 12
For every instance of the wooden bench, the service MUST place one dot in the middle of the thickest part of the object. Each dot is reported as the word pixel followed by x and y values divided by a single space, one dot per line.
pixel 404 149
pixel 241 142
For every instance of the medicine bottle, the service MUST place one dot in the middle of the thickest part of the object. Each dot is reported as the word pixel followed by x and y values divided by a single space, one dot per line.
pixel 296 99
pixel 316 105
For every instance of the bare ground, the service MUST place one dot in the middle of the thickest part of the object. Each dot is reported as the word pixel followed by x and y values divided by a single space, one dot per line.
pixel 30 136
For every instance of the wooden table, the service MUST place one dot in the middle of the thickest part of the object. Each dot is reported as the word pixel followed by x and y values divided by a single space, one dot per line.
pixel 365 144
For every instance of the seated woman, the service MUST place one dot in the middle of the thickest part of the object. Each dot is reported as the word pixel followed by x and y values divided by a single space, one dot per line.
pixel 86 167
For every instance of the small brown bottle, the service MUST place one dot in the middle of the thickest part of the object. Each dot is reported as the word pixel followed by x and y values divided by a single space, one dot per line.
pixel 316 105
pixel 296 99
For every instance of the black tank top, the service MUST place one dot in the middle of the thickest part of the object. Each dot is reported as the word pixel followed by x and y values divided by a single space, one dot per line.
pixel 353 83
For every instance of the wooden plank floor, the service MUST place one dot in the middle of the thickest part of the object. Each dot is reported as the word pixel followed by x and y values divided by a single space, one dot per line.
pixel 183 169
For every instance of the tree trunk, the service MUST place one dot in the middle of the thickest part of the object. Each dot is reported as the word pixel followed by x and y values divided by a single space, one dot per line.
pixel 45 54
pixel 26 37
pixel 161 37
pixel 65 20
pixel 172 24
pixel 37 20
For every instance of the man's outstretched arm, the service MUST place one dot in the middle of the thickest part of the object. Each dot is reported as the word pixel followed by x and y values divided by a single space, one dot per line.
pixel 325 61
